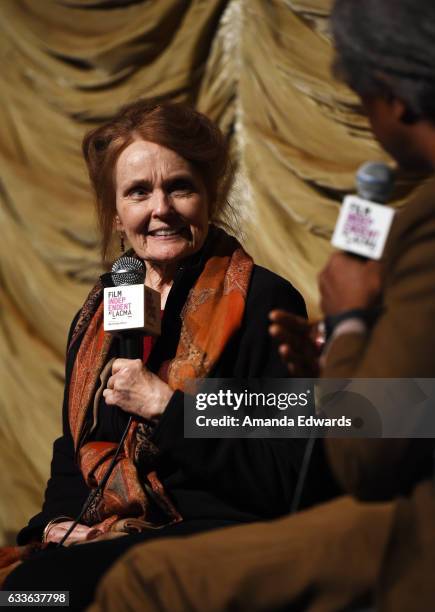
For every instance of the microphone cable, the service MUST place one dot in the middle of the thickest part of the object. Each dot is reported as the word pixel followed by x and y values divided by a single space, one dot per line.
pixel 125 271
pixel 306 460
pixel 93 494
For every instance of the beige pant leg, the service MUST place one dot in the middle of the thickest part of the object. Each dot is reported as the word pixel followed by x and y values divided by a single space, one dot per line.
pixel 407 580
pixel 321 559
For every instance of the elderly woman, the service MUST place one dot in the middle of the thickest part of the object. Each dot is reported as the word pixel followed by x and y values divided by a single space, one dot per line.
pixel 158 171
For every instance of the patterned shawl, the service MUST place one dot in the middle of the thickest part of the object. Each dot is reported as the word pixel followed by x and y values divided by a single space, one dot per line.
pixel 211 315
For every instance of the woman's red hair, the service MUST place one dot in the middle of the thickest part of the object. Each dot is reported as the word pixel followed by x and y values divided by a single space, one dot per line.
pixel 176 126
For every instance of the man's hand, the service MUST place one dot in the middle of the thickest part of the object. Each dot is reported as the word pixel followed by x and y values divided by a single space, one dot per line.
pixel 137 390
pixel 348 283
pixel 298 346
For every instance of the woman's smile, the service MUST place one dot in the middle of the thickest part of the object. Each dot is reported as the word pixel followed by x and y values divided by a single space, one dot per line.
pixel 168 233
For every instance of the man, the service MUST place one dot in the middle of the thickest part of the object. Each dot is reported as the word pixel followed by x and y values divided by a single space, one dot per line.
pixel 346 552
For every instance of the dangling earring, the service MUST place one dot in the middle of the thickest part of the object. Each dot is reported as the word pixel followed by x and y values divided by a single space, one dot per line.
pixel 121 242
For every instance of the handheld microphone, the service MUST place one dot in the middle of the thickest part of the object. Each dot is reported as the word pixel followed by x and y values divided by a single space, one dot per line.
pixel 129 305
pixel 364 222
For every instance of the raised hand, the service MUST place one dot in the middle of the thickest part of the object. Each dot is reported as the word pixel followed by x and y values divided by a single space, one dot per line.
pixel 299 344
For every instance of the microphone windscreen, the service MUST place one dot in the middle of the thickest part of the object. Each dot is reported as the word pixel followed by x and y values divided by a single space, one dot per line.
pixel 128 303
pixel 128 271
pixel 364 220
pixel 375 182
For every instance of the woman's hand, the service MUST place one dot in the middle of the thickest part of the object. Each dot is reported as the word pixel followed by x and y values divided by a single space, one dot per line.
pixel 80 533
pixel 298 345
pixel 137 390
pixel 348 283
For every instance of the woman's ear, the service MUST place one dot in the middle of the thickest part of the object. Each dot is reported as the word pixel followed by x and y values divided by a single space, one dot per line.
pixel 118 226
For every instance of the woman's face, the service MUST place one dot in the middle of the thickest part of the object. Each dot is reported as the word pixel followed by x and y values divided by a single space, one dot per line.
pixel 161 203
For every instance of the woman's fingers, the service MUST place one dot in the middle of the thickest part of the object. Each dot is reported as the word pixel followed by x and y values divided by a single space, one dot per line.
pixel 110 397
pixel 136 390
pixel 58 531
pixel 129 364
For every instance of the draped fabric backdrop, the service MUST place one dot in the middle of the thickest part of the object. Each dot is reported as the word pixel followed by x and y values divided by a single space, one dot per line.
pixel 260 68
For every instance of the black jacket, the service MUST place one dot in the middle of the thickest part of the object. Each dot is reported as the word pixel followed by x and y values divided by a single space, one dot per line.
pixel 237 480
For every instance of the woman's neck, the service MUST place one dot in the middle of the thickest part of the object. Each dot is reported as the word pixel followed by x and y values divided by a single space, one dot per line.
pixel 160 278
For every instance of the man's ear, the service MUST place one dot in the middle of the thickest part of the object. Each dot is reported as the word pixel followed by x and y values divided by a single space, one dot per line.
pixel 402 112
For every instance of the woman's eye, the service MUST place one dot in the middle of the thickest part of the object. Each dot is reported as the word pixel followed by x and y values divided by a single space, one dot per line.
pixel 182 187
pixel 138 192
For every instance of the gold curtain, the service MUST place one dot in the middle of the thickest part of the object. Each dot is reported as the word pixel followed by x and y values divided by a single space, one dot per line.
pixel 260 68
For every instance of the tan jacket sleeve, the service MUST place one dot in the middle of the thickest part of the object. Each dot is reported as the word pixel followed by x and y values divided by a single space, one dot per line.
pixel 400 345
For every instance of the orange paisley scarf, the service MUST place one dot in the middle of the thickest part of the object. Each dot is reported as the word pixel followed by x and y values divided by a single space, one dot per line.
pixel 212 314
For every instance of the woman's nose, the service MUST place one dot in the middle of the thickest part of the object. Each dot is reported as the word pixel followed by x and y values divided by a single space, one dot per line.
pixel 161 204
